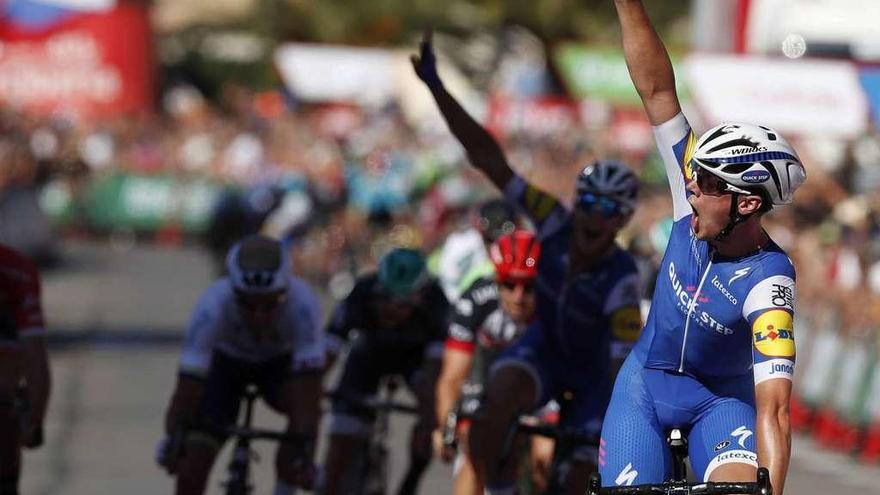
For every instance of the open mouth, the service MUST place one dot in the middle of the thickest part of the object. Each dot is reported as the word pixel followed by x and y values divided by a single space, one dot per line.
pixel 695 219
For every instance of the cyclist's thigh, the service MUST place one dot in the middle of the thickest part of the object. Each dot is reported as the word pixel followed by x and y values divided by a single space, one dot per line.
pixel 726 434
pixel 633 447
pixel 584 413
pixel 360 378
pixel 224 387
pixel 270 377
pixel 530 355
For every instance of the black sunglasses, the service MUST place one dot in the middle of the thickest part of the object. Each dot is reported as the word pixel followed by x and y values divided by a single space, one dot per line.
pixel 527 285
pixel 259 302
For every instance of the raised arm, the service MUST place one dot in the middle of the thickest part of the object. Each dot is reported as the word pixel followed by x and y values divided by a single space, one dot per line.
pixel 648 62
pixel 482 149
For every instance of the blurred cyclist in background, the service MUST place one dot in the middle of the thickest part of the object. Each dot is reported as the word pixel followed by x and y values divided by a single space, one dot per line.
pixel 24 365
pixel 462 259
pixel 396 320
pixel 587 293
pixel 490 316
pixel 258 325
pixel 716 357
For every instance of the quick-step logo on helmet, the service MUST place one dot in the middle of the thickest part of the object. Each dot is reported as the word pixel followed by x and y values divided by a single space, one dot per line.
pixel 755 176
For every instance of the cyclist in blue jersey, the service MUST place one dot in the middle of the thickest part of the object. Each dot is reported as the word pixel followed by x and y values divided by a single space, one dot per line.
pixel 587 297
pixel 717 353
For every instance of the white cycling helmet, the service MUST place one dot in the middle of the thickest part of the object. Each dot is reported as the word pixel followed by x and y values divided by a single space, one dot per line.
pixel 612 179
pixel 257 265
pixel 751 158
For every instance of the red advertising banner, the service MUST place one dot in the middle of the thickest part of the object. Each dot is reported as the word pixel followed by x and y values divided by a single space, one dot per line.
pixel 85 65
pixel 537 117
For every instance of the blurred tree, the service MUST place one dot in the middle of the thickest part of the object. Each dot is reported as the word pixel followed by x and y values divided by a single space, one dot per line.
pixel 384 23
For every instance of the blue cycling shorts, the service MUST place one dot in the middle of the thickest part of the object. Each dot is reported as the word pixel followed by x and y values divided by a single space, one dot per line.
pixel 718 419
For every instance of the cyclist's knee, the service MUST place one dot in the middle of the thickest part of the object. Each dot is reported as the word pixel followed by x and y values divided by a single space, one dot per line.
pixel 512 386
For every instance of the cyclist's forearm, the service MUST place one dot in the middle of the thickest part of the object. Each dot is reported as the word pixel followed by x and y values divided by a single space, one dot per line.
pixel 306 403
pixel 483 151
pixel 774 445
pixel 38 377
pixel 647 60
pixel 448 393
pixel 184 403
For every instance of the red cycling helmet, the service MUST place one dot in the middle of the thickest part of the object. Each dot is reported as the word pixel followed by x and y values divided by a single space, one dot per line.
pixel 515 256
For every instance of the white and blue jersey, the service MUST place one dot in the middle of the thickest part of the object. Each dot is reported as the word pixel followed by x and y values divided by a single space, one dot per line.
pixel 717 327
pixel 583 320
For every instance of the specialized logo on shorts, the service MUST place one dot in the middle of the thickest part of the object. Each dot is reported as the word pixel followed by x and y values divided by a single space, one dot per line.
pixel 773 333
pixel 721 445
pixel 741 434
pixel 626 323
pixel 626 477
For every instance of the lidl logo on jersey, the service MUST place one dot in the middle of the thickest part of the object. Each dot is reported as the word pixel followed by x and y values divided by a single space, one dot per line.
pixel 626 323
pixel 774 334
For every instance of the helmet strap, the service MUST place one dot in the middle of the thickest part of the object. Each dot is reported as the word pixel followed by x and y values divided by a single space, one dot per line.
pixel 734 218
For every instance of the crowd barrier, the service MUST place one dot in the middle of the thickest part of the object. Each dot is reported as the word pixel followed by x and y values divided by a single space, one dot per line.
pixel 837 390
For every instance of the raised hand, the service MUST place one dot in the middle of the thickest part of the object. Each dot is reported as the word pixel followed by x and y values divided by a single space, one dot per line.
pixel 425 63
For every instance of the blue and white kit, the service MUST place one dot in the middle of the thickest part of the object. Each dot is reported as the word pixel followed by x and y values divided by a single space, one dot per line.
pixel 583 322
pixel 228 355
pixel 717 327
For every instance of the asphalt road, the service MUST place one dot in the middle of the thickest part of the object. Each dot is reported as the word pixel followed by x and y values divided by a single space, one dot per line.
pixel 116 315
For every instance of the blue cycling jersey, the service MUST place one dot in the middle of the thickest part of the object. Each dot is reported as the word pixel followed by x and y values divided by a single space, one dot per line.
pixel 713 316
pixel 717 327
pixel 587 312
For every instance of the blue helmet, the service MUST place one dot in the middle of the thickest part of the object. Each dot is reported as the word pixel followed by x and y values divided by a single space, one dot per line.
pixel 610 179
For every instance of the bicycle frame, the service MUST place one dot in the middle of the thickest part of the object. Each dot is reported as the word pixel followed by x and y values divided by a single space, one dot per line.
pixel 239 466
pixel 239 482
pixel 567 440
pixel 373 470
pixel 679 485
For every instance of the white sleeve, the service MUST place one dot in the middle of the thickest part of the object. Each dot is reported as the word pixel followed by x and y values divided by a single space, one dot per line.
pixel 201 335
pixel 676 143
pixel 309 351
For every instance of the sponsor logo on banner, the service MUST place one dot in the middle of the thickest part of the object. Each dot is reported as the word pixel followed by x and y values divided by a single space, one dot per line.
pixel 82 62
pixel 773 334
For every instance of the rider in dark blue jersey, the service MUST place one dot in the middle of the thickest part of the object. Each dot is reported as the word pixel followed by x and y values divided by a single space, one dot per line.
pixel 586 291
pixel 716 357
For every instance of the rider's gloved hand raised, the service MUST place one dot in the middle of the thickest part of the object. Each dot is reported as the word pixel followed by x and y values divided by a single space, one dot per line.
pixel 425 63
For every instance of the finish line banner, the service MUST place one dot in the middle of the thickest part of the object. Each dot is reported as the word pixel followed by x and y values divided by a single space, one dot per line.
pixel 78 58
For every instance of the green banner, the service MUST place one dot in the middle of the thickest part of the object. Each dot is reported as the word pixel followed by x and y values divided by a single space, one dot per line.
pixel 590 72
pixel 138 202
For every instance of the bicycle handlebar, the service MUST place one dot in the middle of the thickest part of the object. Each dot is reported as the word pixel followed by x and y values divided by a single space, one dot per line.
pixel 759 487
pixel 708 488
pixel 262 434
